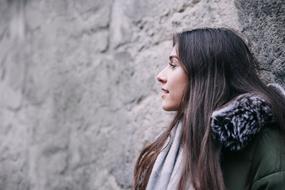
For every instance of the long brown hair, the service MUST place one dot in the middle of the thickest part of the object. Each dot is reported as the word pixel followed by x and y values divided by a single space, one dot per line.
pixel 219 66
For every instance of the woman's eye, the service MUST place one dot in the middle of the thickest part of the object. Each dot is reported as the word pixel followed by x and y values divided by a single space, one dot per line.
pixel 172 65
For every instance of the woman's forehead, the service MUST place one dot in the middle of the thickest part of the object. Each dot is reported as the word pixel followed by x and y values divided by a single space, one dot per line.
pixel 173 54
pixel 173 51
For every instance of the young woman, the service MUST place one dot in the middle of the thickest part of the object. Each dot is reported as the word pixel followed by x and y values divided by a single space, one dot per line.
pixel 229 127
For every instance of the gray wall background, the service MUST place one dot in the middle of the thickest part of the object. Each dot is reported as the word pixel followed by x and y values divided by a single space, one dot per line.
pixel 78 96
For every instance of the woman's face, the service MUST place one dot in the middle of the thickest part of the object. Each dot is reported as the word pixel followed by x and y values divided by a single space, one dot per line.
pixel 174 81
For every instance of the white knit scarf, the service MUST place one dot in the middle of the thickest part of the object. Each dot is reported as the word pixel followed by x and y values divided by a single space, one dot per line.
pixel 167 168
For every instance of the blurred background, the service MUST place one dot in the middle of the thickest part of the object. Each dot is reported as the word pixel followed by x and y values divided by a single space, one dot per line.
pixel 78 95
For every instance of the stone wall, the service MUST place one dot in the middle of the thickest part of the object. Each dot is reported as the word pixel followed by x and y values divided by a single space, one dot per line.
pixel 79 97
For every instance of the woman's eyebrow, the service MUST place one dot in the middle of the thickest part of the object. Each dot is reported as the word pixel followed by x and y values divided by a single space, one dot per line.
pixel 173 56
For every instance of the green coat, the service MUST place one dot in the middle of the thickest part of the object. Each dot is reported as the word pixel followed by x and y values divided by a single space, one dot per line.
pixel 258 166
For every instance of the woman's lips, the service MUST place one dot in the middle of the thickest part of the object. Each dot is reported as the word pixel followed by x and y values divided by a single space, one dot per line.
pixel 165 91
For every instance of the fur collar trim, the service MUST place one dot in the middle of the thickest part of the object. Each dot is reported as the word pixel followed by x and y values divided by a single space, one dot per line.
pixel 235 124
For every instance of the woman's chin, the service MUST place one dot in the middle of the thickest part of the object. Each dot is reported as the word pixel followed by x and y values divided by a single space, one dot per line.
pixel 168 108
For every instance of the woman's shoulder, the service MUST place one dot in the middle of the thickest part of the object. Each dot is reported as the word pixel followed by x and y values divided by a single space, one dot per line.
pixel 268 159
pixel 270 140
pixel 260 164
pixel 269 151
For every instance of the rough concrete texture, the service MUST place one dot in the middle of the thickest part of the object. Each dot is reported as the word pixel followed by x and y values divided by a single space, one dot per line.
pixel 79 98
pixel 263 22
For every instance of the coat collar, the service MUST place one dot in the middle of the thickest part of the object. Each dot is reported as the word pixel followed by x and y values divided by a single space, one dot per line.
pixel 236 123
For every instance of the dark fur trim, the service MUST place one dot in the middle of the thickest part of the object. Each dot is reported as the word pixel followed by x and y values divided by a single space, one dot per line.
pixel 235 124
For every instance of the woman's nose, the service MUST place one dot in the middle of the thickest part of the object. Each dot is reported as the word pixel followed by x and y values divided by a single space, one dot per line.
pixel 161 77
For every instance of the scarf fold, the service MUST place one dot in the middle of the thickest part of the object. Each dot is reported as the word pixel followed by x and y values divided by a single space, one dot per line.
pixel 167 168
